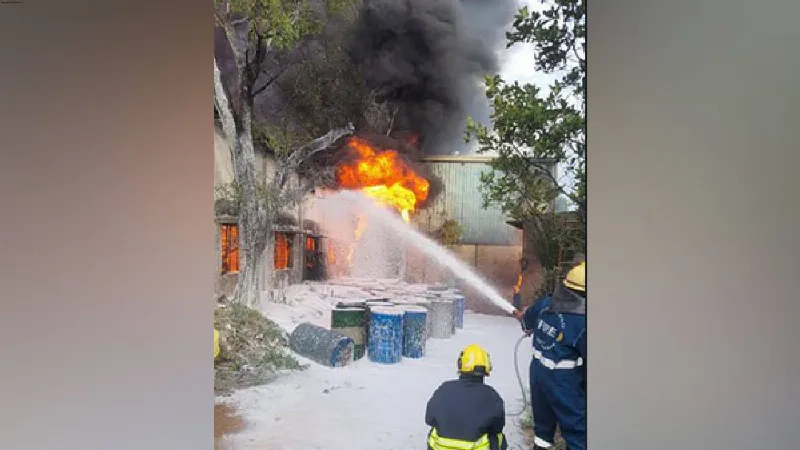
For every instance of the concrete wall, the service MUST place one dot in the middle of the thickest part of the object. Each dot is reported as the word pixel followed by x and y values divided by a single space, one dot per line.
pixel 223 164
pixel 281 279
pixel 223 175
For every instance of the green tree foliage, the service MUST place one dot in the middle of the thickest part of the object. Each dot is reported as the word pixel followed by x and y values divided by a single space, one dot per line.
pixel 557 242
pixel 530 127
pixel 260 35
pixel 449 233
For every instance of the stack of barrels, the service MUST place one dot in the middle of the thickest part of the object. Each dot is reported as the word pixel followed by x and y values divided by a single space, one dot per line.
pixel 446 313
pixel 383 331
pixel 387 331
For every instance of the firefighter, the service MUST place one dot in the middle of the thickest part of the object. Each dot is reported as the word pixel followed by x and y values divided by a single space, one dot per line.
pixel 465 413
pixel 558 367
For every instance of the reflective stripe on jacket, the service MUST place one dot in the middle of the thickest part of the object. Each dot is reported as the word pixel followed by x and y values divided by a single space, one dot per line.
pixel 465 414
pixel 559 335
pixel 436 442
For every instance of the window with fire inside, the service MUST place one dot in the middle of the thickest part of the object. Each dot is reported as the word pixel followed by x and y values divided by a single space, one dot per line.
pixel 229 248
pixel 283 251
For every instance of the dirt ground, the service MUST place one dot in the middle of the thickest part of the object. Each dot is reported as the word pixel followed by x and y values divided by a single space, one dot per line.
pixel 226 422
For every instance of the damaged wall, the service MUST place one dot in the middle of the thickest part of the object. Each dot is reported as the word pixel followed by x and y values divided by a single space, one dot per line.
pixel 225 283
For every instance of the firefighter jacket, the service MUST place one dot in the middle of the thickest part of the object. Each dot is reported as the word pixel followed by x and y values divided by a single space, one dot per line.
pixel 558 325
pixel 466 414
pixel 558 368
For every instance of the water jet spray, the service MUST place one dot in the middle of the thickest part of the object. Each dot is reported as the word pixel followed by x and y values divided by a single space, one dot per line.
pixel 403 231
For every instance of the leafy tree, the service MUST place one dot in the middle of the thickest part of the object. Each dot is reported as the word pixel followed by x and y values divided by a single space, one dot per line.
pixel 449 233
pixel 258 35
pixel 531 129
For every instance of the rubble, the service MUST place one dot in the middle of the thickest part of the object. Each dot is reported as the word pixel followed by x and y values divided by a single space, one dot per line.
pixel 253 349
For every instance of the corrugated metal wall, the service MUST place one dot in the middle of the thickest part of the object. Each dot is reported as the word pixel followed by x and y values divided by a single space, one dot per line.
pixel 461 200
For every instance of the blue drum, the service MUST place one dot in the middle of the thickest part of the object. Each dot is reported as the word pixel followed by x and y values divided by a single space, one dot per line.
pixel 414 331
pixel 385 341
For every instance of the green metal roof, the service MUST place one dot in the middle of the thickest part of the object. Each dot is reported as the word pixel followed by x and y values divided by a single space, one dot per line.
pixel 461 200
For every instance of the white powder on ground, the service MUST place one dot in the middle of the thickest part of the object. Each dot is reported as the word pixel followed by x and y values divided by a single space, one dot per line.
pixel 366 406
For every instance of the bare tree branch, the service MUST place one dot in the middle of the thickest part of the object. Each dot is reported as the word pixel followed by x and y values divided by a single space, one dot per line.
pixel 290 164
pixel 292 196
pixel 223 107
pixel 271 80
pixel 392 116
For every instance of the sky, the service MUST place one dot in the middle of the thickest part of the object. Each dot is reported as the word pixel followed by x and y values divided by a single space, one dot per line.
pixel 517 61
pixel 517 64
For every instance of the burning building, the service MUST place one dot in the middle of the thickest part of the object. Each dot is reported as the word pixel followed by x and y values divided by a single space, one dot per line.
pixel 298 252
pixel 385 175
pixel 426 60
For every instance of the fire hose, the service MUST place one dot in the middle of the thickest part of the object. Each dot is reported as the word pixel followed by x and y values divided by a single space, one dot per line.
pixel 525 400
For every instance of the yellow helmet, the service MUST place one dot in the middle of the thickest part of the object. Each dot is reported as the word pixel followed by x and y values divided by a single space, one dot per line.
pixel 474 360
pixel 576 278
pixel 216 343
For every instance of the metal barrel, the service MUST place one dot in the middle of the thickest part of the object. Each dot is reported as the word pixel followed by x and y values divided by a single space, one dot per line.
pixel 385 342
pixel 326 347
pixel 460 304
pixel 442 318
pixel 374 303
pixel 453 313
pixel 426 304
pixel 351 305
pixel 377 303
pixel 351 322
pixel 414 331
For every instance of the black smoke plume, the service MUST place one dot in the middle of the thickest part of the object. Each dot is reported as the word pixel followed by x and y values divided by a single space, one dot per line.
pixel 430 57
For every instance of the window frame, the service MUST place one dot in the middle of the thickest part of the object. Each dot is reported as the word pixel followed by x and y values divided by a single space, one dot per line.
pixel 289 240
pixel 230 261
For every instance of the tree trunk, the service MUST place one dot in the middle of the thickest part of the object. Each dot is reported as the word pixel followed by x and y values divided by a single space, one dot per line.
pixel 257 212
pixel 254 217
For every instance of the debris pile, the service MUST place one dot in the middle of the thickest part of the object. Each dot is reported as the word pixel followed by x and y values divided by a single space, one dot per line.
pixel 253 349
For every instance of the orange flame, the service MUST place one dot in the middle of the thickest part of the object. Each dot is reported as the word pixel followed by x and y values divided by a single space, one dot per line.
pixel 518 286
pixel 383 176
pixel 331 253
pixel 360 225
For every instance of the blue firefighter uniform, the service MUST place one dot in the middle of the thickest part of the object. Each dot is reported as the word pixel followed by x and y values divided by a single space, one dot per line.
pixel 558 367
pixel 465 413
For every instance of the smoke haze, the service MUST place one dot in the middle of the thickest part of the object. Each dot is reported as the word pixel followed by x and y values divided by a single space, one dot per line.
pixel 430 56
